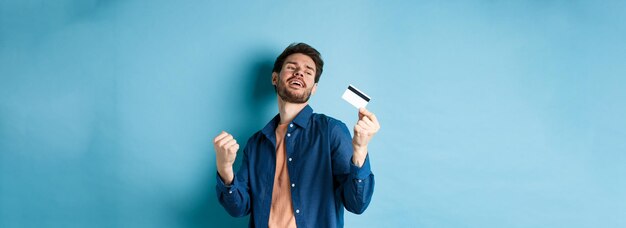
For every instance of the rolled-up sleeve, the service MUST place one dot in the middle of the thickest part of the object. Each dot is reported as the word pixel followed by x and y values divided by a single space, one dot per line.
pixel 236 197
pixel 355 184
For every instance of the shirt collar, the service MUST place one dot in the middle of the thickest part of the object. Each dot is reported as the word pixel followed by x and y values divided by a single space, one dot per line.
pixel 302 120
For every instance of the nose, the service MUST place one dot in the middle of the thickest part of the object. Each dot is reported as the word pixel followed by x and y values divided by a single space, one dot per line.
pixel 298 72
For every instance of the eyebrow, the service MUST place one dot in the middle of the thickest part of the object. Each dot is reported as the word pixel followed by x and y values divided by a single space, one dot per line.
pixel 307 66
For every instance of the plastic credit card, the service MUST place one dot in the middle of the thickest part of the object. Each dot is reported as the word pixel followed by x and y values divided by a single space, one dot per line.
pixel 355 97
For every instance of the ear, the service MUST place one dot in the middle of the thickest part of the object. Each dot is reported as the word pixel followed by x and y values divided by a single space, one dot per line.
pixel 274 78
pixel 314 88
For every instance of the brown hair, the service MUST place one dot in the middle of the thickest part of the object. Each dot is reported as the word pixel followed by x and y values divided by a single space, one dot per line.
pixel 301 48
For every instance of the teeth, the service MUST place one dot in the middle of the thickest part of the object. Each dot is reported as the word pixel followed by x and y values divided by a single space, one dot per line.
pixel 296 83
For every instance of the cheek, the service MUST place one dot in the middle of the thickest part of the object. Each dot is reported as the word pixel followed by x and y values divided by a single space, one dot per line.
pixel 284 76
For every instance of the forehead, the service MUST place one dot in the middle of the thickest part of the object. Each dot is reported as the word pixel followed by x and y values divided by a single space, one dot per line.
pixel 300 59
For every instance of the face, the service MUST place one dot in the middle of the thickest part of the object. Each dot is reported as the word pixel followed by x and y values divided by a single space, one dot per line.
pixel 296 81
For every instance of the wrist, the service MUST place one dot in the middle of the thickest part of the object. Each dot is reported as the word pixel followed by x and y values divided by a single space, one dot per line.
pixel 227 175
pixel 359 155
pixel 359 149
pixel 224 167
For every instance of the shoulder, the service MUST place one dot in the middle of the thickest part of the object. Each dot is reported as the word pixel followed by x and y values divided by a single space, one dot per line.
pixel 327 121
pixel 320 117
pixel 253 144
pixel 256 136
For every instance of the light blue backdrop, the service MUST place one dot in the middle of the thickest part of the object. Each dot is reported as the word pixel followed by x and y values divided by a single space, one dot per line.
pixel 494 114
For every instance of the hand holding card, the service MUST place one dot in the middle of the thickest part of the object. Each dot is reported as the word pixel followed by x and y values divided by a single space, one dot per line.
pixel 365 128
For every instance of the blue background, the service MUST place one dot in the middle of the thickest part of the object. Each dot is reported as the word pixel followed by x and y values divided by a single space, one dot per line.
pixel 493 114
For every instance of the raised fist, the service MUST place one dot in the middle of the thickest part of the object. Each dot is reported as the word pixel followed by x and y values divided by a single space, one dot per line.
pixel 226 148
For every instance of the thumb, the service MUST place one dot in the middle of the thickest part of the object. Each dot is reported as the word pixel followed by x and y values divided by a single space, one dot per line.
pixel 361 111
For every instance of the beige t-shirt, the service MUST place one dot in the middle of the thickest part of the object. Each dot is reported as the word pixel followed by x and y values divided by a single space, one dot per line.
pixel 281 211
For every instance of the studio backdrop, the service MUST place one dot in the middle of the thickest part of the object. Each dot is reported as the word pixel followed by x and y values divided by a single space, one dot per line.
pixel 492 113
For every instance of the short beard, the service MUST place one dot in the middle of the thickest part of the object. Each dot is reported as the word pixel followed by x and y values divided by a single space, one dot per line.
pixel 292 97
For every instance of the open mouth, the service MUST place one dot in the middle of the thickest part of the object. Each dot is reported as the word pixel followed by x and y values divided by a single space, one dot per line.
pixel 296 83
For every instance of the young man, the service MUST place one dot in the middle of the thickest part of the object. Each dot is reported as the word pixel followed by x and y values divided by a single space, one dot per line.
pixel 302 168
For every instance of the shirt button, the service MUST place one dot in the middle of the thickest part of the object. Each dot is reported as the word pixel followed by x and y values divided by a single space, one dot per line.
pixel 297 211
pixel 288 135
pixel 293 185
pixel 290 125
pixel 360 181
pixel 230 192
pixel 290 159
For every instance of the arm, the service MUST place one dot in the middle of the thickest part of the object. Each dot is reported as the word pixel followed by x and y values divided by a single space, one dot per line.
pixel 352 172
pixel 232 191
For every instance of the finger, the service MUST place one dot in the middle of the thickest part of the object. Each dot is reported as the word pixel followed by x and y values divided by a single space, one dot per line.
pixel 369 129
pixel 230 144
pixel 369 122
pixel 364 111
pixel 220 136
pixel 374 119
pixel 235 147
pixel 363 126
pixel 374 126
pixel 358 130
pixel 369 114
pixel 224 140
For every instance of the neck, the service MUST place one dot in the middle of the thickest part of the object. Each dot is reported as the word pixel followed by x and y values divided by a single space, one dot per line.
pixel 289 111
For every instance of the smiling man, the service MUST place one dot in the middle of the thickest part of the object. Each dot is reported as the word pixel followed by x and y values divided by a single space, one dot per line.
pixel 303 168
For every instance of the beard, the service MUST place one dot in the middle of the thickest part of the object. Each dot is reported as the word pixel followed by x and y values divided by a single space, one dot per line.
pixel 293 96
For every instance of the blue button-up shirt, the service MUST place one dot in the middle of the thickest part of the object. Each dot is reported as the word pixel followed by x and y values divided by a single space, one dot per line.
pixel 319 161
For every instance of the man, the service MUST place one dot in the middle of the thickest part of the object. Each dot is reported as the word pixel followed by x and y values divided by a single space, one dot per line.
pixel 302 168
